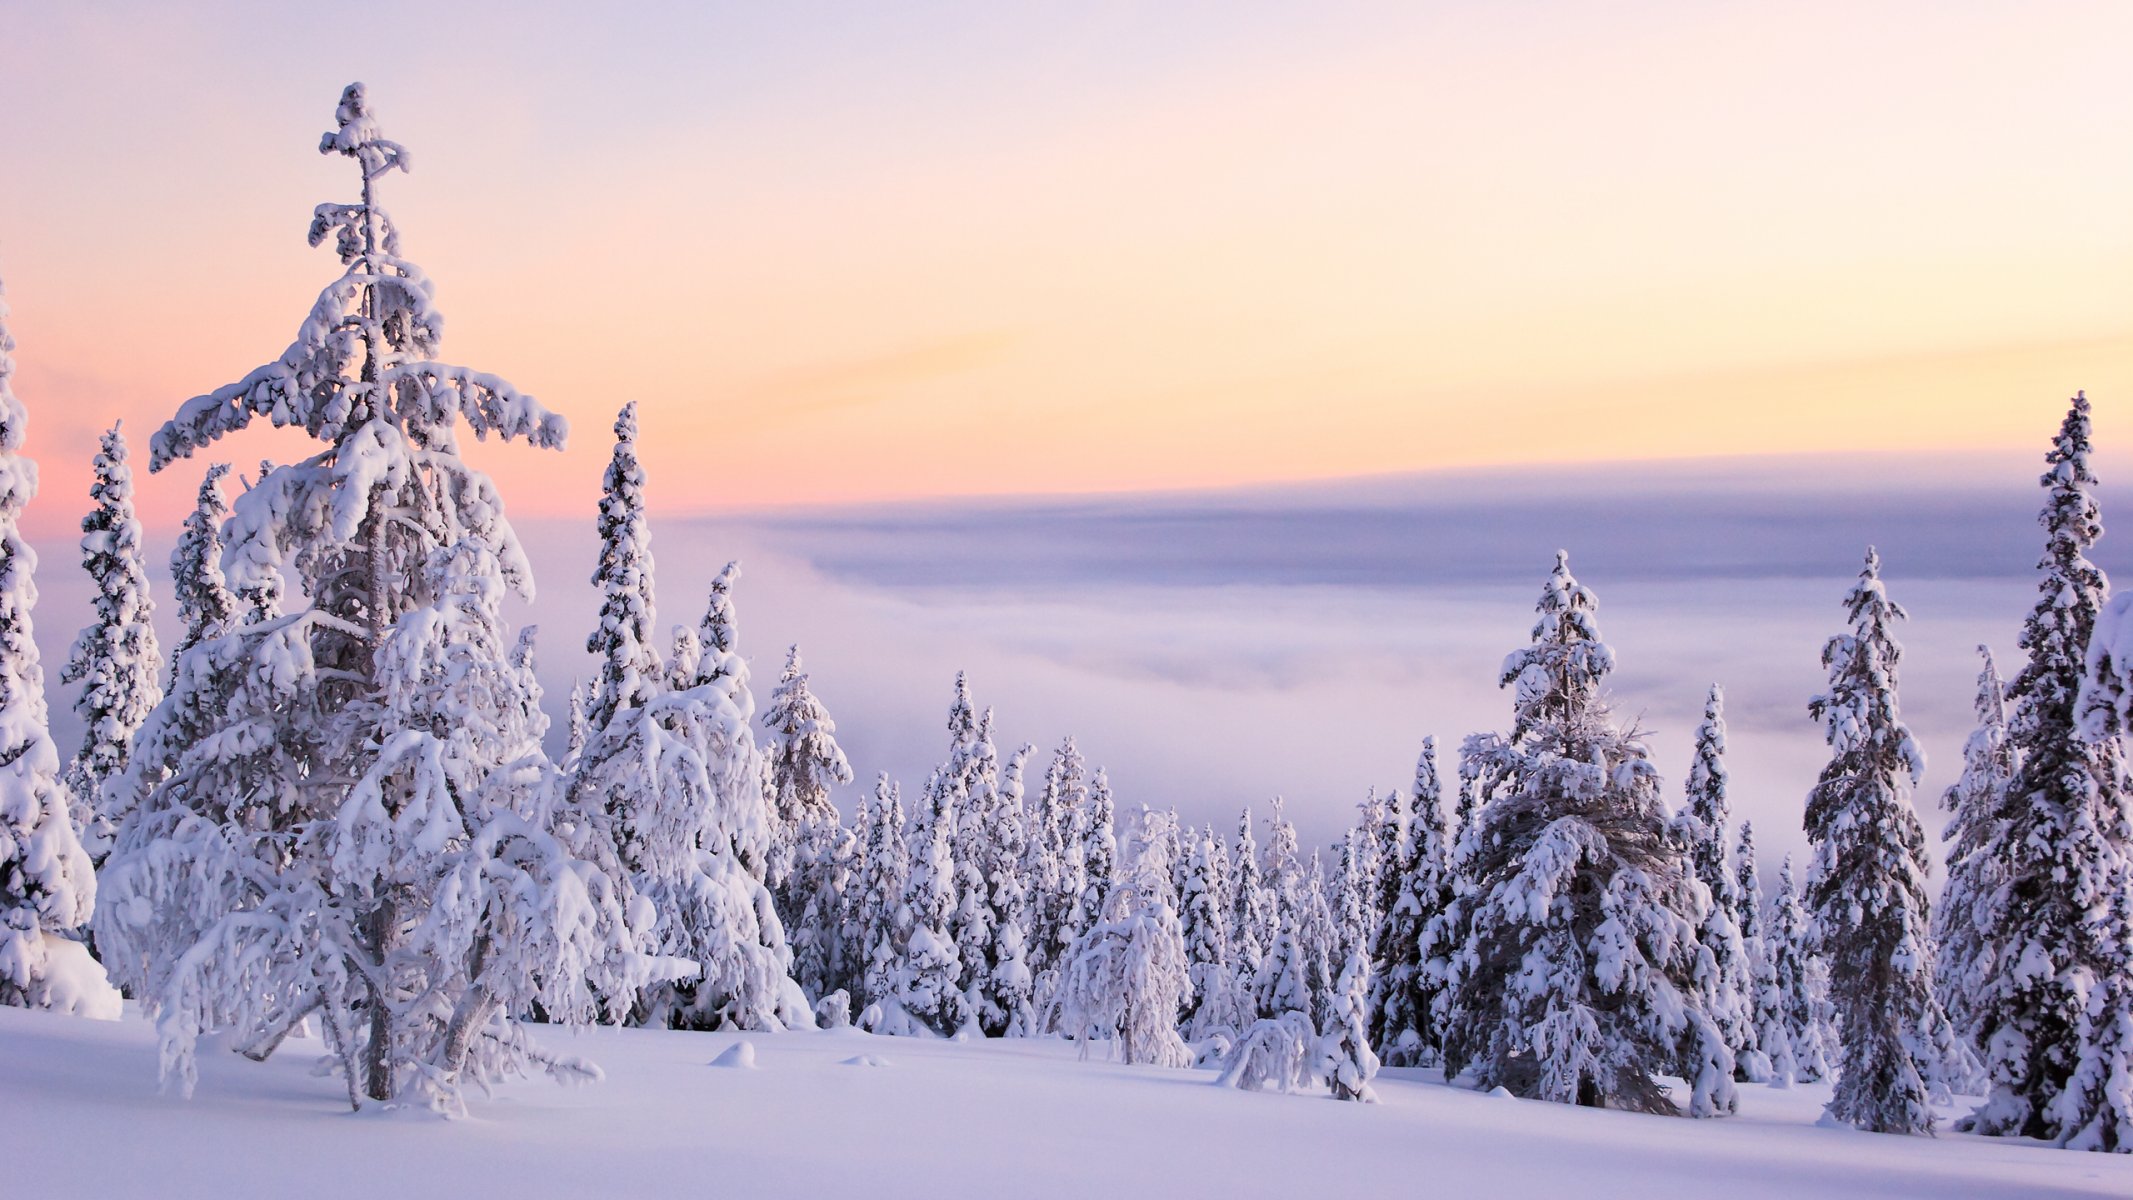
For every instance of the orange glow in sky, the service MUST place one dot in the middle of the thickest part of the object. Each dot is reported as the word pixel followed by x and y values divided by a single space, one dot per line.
pixel 840 255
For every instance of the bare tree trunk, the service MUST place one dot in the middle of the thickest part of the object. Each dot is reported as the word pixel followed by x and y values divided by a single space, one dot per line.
pixel 377 1056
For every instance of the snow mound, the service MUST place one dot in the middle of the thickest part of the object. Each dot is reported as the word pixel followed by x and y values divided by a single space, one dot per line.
pixel 1501 1093
pixel 740 1055
pixel 864 1060
pixel 76 984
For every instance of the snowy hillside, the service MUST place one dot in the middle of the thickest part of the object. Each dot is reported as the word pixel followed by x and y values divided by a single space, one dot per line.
pixel 939 1119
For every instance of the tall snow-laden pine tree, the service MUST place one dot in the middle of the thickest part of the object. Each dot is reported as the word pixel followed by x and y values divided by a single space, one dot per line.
pixel 115 659
pixel 1098 858
pixel 1403 992
pixel 1055 871
pixel 1127 977
pixel 1973 835
pixel 1701 825
pixel 2058 831
pixel 1254 921
pixel 927 988
pixel 1801 979
pixel 1868 885
pixel 1218 1007
pixel 1766 1007
pixel 347 813
pixel 1345 1060
pixel 681 783
pixel 1009 993
pixel 1362 865
pixel 630 672
pixel 879 914
pixel 974 774
pixel 1571 951
pixel 47 886
pixel 206 608
pixel 803 765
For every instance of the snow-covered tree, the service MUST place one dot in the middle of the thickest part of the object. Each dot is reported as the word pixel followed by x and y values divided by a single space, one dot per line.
pixel 878 914
pixel 1254 919
pixel 1766 1007
pixel 1318 935
pixel 1218 1007
pixel 1571 950
pixel 1868 885
pixel 47 887
pixel 206 608
pixel 1055 871
pixel 1701 825
pixel 1345 1060
pixel 115 659
pixel 1009 994
pixel 2058 833
pixel 347 815
pixel 1801 979
pixel 805 766
pixel 1099 852
pixel 1403 992
pixel 630 672
pixel 1127 977
pixel 1973 834
pixel 927 988
pixel 681 783
pixel 1361 866
pixel 973 776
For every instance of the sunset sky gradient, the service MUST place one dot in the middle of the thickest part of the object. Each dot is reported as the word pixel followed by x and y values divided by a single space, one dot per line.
pixel 861 252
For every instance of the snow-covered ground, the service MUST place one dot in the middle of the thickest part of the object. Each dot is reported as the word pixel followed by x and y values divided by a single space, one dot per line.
pixel 935 1119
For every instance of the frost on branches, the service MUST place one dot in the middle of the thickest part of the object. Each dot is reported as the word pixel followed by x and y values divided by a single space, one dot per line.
pixel 115 659
pixel 346 816
pixel 1127 977
pixel 2055 840
pixel 1973 835
pixel 1571 954
pixel 1868 884
pixel 47 887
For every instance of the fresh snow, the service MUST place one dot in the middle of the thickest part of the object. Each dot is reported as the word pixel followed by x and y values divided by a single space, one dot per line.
pixel 1021 1117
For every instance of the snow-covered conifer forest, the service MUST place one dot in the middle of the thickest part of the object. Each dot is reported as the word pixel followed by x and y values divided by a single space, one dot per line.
pixel 319 852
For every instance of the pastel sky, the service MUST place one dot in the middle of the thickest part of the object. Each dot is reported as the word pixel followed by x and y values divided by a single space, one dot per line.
pixel 851 252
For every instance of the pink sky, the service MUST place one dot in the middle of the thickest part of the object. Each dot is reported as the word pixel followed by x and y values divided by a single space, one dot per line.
pixel 843 255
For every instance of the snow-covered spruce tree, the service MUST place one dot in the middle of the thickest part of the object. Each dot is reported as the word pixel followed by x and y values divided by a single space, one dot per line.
pixel 1973 835
pixel 47 886
pixel 681 784
pixel 1127 977
pixel 1766 1008
pixel 1054 869
pixel 927 987
pixel 1217 1007
pixel 348 815
pixel 973 773
pixel 1361 865
pixel 1345 1060
pixel 1253 919
pixel 1868 885
pixel 206 607
pixel 806 764
pixel 115 659
pixel 1099 852
pixel 1701 825
pixel 1403 992
pixel 630 672
pixel 1796 970
pixel 1010 989
pixel 2059 825
pixel 1318 933
pixel 1575 973
pixel 878 913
